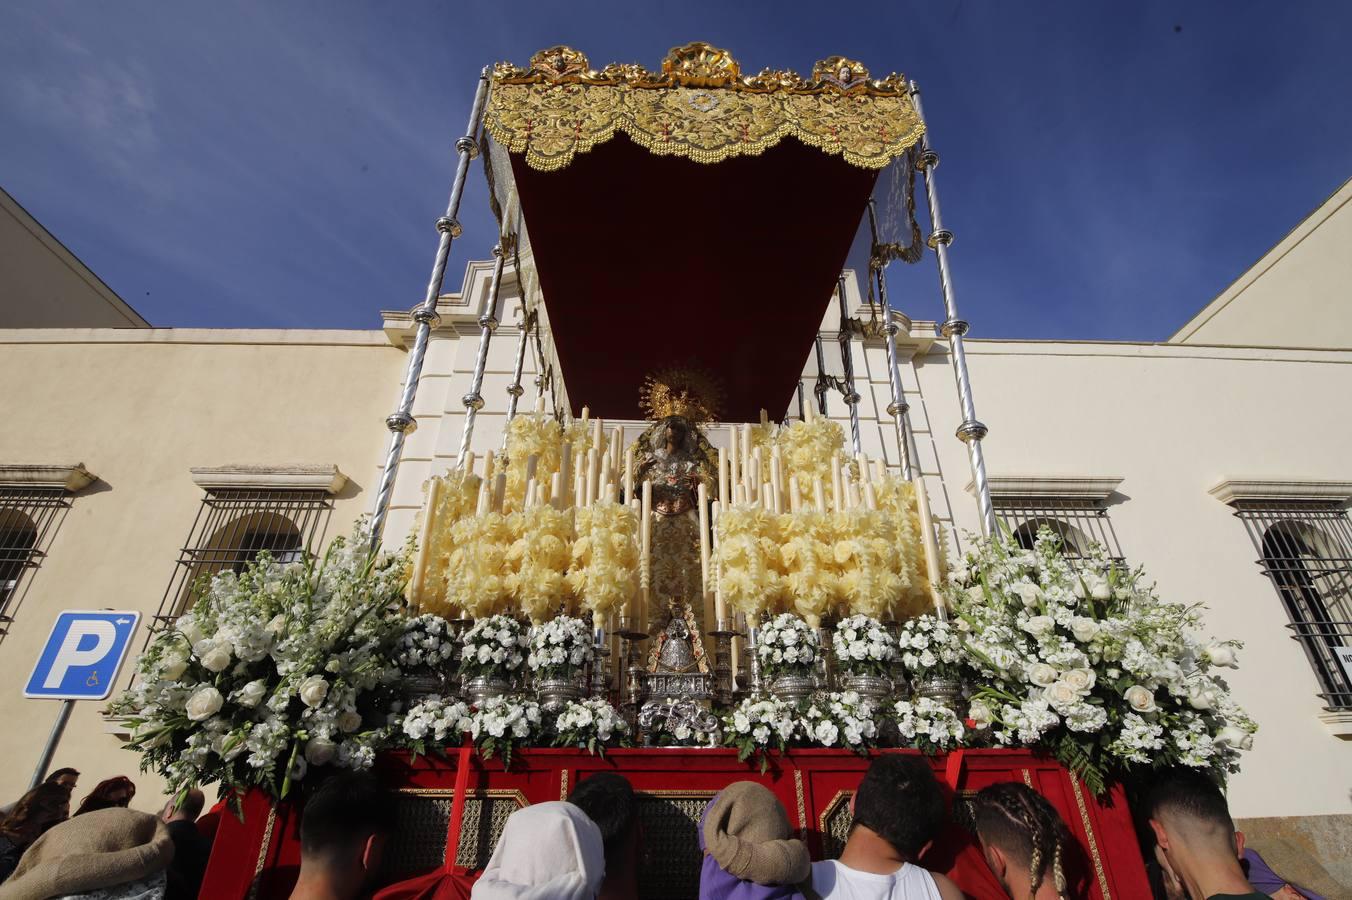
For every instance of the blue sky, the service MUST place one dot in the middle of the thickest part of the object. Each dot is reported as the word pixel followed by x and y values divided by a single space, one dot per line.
pixel 1107 167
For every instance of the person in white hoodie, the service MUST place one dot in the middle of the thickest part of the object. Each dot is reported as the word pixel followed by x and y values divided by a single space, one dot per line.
pixel 548 851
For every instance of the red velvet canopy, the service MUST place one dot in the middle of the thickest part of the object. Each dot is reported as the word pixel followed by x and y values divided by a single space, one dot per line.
pixel 649 261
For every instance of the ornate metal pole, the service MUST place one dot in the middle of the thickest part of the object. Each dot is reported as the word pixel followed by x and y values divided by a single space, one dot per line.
pixel 820 388
pixel 488 323
pixel 847 363
pixel 971 431
pixel 515 390
pixel 401 421
pixel 898 409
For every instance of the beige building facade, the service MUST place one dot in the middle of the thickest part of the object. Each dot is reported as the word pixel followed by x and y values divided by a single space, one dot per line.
pixel 1216 459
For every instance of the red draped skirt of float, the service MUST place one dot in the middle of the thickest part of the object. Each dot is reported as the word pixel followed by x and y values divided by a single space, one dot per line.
pixel 259 857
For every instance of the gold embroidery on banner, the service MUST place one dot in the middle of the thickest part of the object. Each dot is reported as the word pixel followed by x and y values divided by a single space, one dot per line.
pixel 1027 778
pixel 699 107
pixel 1089 832
pixel 563 784
pixel 263 850
pixel 802 805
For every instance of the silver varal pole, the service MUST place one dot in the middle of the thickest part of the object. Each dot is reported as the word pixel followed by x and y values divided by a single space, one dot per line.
pixel 401 422
pixel 971 431
pixel 898 409
pixel 488 323
pixel 847 364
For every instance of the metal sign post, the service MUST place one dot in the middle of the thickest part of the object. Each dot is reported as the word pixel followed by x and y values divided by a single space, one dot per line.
pixel 80 661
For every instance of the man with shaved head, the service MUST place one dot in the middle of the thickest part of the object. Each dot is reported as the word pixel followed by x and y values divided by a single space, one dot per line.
pixel 1195 838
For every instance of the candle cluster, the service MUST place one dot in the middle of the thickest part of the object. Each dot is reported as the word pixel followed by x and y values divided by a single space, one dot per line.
pixel 816 532
pixel 539 531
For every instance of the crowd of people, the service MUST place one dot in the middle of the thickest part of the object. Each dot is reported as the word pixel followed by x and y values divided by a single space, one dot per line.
pixel 104 851
pixel 591 847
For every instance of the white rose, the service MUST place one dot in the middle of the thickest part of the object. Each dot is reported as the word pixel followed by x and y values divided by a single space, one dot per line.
pixel 1061 695
pixel 1080 679
pixel 313 690
pixel 204 703
pixel 173 666
pixel 349 721
pixel 1201 697
pixel 276 625
pixel 217 659
pixel 1085 630
pixel 980 713
pixel 1141 699
pixel 250 695
pixel 1029 593
pixel 188 626
pixel 1233 736
pixel 1039 625
pixel 1041 674
pixel 1100 589
pixel 320 751
pixel 1221 655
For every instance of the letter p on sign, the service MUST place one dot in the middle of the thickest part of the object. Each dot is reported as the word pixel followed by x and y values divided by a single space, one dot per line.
pixel 82 656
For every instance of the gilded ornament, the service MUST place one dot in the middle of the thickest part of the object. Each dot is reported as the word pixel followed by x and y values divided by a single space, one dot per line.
pixel 698 106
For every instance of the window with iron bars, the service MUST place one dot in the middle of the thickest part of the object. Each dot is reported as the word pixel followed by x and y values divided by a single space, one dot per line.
pixel 233 527
pixel 29 517
pixel 1305 549
pixel 1078 521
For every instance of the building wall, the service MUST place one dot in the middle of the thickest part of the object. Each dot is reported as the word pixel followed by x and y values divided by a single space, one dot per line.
pixel 44 285
pixel 139 409
pixel 1297 295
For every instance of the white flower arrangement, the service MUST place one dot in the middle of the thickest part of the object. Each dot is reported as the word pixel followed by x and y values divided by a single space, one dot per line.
pixel 786 645
pixel 493 647
pixel 930 648
pixel 504 723
pixel 427 643
pixel 589 725
pixel 268 673
pixel 927 724
pixel 560 648
pixel 758 724
pixel 863 646
pixel 432 724
pixel 1084 659
pixel 842 719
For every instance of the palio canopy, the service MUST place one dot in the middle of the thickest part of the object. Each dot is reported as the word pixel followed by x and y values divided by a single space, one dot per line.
pixel 692 218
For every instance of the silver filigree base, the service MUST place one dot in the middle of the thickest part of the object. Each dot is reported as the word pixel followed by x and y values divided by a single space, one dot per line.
pixel 871 687
pixel 485 687
pixel 947 691
pixel 685 719
pixel 792 688
pixel 555 693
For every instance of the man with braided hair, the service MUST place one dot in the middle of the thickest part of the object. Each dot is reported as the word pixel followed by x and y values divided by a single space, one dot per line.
pixel 898 812
pixel 1195 838
pixel 1023 840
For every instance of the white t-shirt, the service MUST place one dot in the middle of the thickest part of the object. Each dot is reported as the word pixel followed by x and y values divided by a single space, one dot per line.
pixel 834 881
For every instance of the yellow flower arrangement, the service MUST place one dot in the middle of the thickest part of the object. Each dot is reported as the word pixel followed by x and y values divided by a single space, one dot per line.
pixel 538 560
pixel 603 571
pixel 896 496
pixel 456 497
pixel 538 434
pixel 750 564
pixel 478 567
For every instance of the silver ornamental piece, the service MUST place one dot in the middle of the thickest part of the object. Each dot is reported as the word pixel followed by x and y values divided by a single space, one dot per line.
pixel 792 688
pixel 874 688
pixel 947 691
pixel 555 693
pixel 485 687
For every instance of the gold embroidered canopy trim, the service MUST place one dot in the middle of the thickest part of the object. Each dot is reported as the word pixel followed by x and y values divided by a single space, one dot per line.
pixel 699 106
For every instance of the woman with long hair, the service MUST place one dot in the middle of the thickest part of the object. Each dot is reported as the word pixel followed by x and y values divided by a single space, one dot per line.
pixel 116 791
pixel 46 805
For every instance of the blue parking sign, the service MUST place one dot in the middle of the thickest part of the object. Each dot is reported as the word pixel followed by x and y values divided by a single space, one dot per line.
pixel 82 655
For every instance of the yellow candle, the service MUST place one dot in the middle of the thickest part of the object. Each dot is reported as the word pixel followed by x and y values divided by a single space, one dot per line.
pixel 499 491
pixel 468 463
pixel 819 494
pixel 415 586
pixel 795 494
pixel 565 473
pixel 720 605
pixel 702 500
pixel 628 473
pixel 489 461
pixel 722 474
pixel 837 484
pixel 930 544
pixel 485 499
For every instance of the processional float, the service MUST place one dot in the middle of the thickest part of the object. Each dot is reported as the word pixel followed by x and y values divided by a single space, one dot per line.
pixel 711 214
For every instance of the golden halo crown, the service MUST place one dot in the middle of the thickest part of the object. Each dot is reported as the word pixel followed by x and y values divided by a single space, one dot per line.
pixel 691 393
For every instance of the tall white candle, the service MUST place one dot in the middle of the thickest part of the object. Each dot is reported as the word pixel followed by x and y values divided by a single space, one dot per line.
pixel 628 473
pixel 930 544
pixel 819 495
pixel 499 491
pixel 566 475
pixel 415 587
pixel 646 550
pixel 556 490
pixel 795 494
pixel 723 475
pixel 593 470
pixel 702 500
pixel 734 457
pixel 468 464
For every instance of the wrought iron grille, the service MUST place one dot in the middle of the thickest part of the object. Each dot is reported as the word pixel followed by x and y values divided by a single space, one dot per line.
pixel 29 517
pixel 233 527
pixel 1078 521
pixel 1305 549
